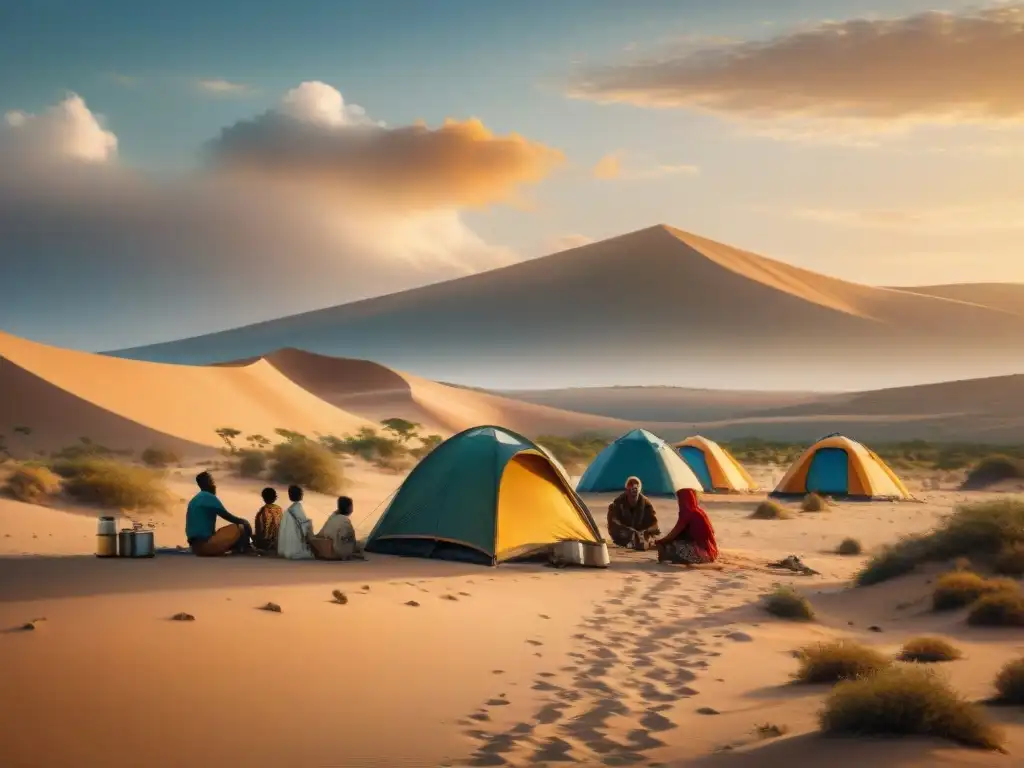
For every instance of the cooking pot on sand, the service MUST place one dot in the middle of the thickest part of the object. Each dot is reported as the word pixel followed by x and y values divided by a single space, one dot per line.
pixel 135 542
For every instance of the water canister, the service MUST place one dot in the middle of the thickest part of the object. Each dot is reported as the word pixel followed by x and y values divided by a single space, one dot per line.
pixel 106 537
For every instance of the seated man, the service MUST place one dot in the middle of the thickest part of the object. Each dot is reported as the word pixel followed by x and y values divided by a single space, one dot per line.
pixel 268 523
pixel 632 521
pixel 296 534
pixel 204 538
pixel 337 538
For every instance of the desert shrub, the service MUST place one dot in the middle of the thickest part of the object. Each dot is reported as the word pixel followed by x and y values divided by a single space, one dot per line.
pixel 959 589
pixel 427 444
pixel 838 660
pixel 84 449
pixel 306 464
pixel 114 484
pixel 33 484
pixel 1004 608
pixel 812 502
pixel 574 452
pixel 981 529
pixel 1010 682
pixel 926 650
pixel 906 701
pixel 992 470
pixel 786 603
pixel 252 462
pixel 228 435
pixel 1010 561
pixel 771 510
pixel 367 444
pixel 849 547
pixel 403 429
pixel 159 457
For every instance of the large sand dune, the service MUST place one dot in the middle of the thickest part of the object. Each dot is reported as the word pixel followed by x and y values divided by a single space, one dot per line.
pixel 1008 297
pixel 376 392
pixel 654 306
pixel 62 395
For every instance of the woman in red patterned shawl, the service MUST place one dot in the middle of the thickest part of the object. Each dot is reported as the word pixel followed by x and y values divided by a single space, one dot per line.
pixel 692 540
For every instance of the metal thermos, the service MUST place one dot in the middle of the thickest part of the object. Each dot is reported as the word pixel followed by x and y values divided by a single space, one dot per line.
pixel 106 537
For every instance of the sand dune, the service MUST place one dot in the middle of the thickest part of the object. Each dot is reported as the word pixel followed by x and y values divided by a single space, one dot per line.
pixel 654 306
pixel 1007 297
pixel 62 395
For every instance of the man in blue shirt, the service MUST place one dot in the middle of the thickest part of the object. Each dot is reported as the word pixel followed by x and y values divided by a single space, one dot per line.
pixel 201 530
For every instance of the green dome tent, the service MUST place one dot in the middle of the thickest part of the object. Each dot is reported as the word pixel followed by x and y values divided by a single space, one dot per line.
pixel 486 495
pixel 639 453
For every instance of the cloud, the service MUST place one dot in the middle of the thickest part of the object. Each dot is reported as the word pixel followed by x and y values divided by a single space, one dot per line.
pixel 992 216
pixel 89 242
pixel 314 137
pixel 67 130
pixel 608 167
pixel 220 87
pixel 931 67
pixel 613 166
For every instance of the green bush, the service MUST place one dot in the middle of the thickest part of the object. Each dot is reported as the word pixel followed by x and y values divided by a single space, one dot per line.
pixel 926 650
pixel 306 464
pixel 1004 608
pixel 838 660
pixel 1010 683
pixel 982 529
pixel 992 470
pixel 33 484
pixel 906 701
pixel 786 603
pixel 159 457
pixel 771 510
pixel 112 484
pixel 574 453
pixel 252 462
pixel 849 547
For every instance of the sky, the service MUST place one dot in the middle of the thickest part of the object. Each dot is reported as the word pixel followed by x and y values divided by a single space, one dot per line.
pixel 172 169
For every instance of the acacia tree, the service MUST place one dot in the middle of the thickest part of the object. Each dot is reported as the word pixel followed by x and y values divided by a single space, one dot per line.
pixel 228 434
pixel 403 429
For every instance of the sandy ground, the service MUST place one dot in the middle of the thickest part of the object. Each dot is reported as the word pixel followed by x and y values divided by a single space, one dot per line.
pixel 516 665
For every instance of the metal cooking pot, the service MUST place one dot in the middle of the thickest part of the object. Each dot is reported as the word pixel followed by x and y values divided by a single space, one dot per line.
pixel 135 543
pixel 106 537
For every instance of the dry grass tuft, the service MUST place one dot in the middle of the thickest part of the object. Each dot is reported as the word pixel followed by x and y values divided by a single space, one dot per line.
pixel 906 701
pixel 959 589
pixel 252 462
pixel 849 547
pixel 771 510
pixel 928 650
pixel 158 458
pixel 813 502
pixel 838 660
pixel 786 603
pixel 33 484
pixel 1010 683
pixel 998 609
pixel 1010 561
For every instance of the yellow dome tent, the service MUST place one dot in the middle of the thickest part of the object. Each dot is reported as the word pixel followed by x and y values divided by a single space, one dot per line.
pixel 841 467
pixel 716 468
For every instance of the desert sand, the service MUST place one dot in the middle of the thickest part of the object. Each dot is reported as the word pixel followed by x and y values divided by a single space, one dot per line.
pixel 514 665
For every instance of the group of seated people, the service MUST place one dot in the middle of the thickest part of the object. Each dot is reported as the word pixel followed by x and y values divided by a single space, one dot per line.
pixel 633 523
pixel 281 533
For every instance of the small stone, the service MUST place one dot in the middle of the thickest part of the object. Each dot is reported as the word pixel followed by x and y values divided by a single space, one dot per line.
pixel 183 617
pixel 874 628
pixel 453 598
pixel 340 597
pixel 272 607
pixel 708 711
pixel 28 626
pixel 544 616
pixel 413 604
pixel 366 587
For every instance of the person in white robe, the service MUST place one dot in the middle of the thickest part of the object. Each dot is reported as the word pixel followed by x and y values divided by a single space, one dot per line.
pixel 293 538
pixel 340 533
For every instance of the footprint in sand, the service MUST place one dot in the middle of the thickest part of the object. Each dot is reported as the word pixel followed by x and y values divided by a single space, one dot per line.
pixel 497 702
pixel 535 642
pixel 497 671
